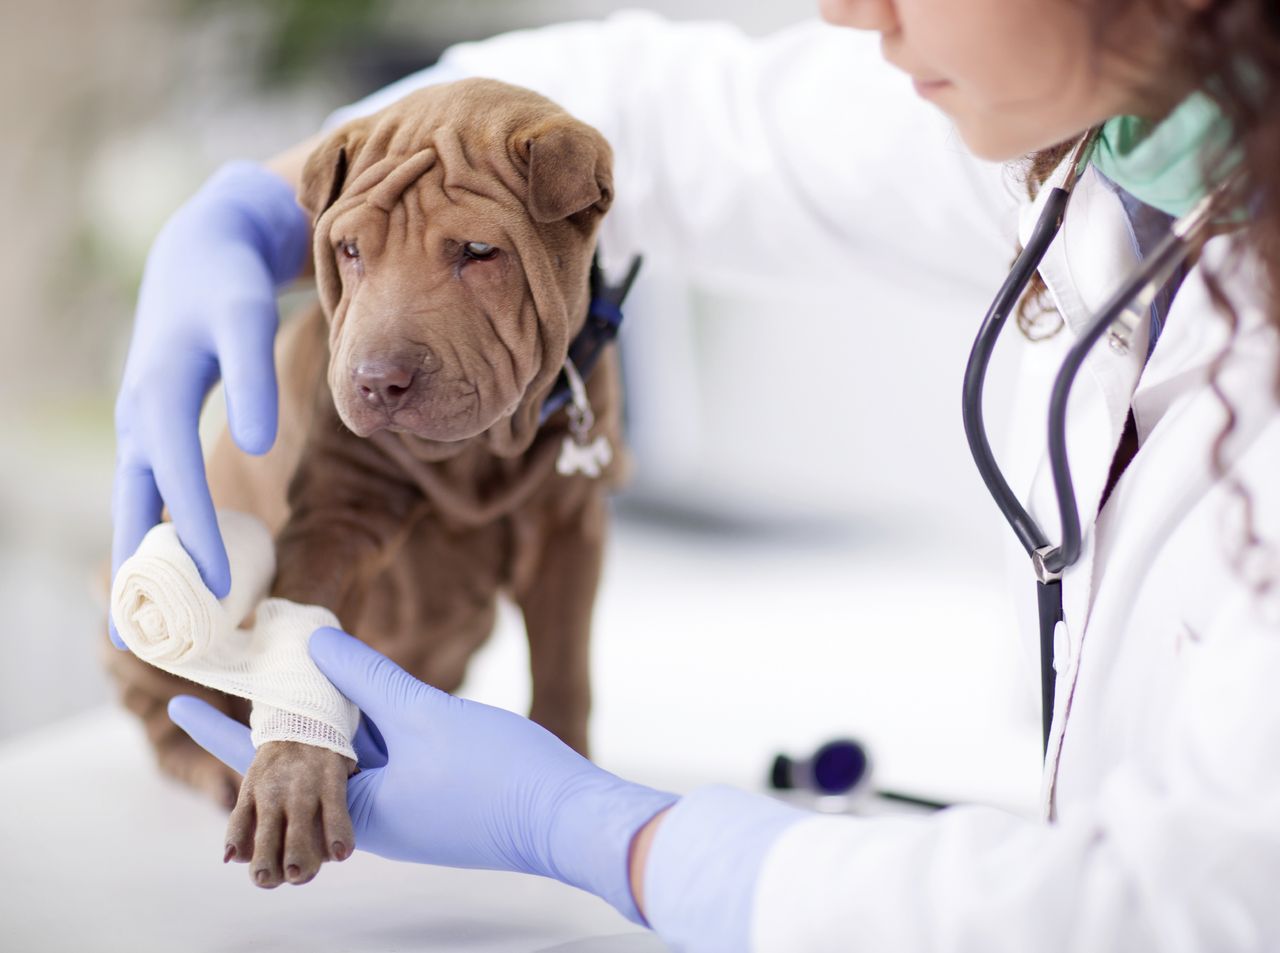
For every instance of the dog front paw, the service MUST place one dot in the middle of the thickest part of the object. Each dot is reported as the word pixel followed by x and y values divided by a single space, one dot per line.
pixel 291 815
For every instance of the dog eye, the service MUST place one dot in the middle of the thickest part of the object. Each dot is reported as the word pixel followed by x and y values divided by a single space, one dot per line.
pixel 479 251
pixel 349 250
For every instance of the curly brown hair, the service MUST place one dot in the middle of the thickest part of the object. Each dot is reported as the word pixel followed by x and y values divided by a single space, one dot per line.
pixel 1229 50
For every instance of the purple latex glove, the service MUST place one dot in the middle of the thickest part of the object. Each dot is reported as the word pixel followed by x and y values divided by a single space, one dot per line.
pixel 206 309
pixel 447 781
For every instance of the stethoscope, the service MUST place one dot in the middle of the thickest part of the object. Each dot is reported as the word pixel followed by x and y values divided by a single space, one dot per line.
pixel 1117 321
pixel 841 768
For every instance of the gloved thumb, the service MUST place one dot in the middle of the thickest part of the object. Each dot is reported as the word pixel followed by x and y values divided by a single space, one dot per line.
pixel 223 737
pixel 378 686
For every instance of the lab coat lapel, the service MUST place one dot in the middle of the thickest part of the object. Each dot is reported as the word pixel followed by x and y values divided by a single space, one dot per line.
pixel 1189 343
pixel 1177 412
pixel 1180 416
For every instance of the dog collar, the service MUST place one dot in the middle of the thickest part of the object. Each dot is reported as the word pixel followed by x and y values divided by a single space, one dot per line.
pixel 604 317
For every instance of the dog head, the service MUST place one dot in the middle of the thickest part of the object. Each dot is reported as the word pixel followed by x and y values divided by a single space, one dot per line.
pixel 453 239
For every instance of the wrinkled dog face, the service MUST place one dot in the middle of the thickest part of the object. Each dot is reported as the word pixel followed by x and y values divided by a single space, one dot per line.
pixel 453 239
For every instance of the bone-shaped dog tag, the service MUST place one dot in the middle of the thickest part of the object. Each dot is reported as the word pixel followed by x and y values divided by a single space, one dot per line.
pixel 587 458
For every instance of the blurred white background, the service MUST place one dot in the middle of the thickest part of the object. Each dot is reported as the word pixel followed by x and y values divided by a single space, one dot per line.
pixel 806 552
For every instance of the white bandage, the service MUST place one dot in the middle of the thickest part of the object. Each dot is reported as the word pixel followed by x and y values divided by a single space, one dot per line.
pixel 167 617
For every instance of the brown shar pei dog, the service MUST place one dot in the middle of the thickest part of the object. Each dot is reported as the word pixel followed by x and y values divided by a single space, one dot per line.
pixel 413 481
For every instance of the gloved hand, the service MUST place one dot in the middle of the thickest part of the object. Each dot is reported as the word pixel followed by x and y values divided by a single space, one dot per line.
pixel 447 781
pixel 207 308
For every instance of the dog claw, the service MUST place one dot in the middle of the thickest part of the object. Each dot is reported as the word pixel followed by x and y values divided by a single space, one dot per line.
pixel 339 851
pixel 230 854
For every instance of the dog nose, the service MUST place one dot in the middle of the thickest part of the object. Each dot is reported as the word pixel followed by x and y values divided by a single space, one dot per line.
pixel 384 384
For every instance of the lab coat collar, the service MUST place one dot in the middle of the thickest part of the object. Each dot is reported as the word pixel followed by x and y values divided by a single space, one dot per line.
pixel 1089 261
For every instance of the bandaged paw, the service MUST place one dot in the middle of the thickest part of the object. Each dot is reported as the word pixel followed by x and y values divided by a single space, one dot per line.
pixel 292 700
pixel 167 617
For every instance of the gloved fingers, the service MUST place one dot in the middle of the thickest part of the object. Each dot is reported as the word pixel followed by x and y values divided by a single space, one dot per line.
pixel 371 750
pixel 180 477
pixel 136 507
pixel 246 354
pixel 220 735
pixel 378 686
pixel 114 635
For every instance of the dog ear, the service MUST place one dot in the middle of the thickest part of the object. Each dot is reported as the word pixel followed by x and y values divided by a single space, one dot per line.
pixel 325 172
pixel 570 170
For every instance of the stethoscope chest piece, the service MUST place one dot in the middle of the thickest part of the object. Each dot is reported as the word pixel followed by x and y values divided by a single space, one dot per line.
pixel 838 767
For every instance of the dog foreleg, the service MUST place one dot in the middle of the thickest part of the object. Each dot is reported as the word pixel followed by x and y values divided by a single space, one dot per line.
pixel 556 598
pixel 291 814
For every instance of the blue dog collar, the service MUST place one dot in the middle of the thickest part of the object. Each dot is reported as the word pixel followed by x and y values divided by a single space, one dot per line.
pixel 604 318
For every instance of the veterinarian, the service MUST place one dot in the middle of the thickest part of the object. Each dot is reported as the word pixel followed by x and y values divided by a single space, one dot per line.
pixel 795 158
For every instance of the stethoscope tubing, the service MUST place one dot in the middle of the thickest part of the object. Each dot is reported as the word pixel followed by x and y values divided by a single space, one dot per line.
pixel 1134 297
pixel 1143 285
pixel 1046 229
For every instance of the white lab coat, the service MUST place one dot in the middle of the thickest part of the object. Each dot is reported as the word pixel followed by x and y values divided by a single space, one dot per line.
pixel 803 158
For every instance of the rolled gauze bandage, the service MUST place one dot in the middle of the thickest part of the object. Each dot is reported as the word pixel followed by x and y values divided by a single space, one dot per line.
pixel 166 615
